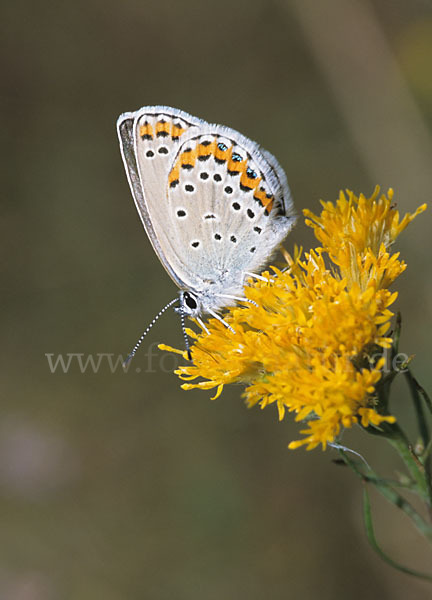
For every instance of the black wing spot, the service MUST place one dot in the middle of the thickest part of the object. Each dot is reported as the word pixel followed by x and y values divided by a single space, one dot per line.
pixel 250 213
pixel 217 177
pixel 204 157
pixel 189 188
pixel 195 244
pixel 205 143
pixel 163 150
pixel 187 166
pixel 210 216
pixel 245 188
pixel 253 249
pixel 181 213
pixel 162 133
pixel 217 236
pixel 257 229
pixel 174 183
pixel 204 175
pixel 228 189
pixel 149 153
pixel 233 239
pixel 236 206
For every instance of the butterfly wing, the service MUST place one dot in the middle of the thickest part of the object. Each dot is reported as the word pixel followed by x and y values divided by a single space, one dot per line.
pixel 214 204
pixel 228 207
pixel 149 138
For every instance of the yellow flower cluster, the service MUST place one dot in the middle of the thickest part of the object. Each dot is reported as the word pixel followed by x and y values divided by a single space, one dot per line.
pixel 306 346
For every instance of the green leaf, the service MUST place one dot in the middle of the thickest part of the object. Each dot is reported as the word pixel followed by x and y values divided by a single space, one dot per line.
pixel 367 514
pixel 390 493
pixel 418 407
pixel 420 390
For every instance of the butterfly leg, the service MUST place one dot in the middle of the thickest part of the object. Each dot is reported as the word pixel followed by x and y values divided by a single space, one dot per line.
pixel 260 277
pixel 203 325
pixel 219 318
pixel 237 298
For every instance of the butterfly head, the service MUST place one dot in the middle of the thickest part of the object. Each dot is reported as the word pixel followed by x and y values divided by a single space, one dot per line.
pixel 190 304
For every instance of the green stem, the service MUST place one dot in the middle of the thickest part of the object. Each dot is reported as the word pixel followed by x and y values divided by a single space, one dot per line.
pixel 417 392
pixel 419 472
pixel 367 513
pixel 396 336
pixel 409 485
pixel 398 440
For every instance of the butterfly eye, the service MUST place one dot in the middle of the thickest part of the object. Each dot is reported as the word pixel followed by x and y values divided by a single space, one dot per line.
pixel 189 301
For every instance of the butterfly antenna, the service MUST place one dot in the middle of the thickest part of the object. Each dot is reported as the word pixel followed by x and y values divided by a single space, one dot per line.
pixel 139 342
pixel 186 339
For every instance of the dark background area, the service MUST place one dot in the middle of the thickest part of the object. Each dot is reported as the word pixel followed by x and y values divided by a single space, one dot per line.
pixel 122 486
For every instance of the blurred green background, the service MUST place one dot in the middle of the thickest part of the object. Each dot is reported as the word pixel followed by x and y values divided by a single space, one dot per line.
pixel 122 486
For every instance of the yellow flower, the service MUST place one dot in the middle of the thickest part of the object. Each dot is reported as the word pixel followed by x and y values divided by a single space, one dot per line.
pixel 308 344
pixel 358 229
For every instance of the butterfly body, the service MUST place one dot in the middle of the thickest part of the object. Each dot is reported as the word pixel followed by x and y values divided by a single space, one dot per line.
pixel 213 203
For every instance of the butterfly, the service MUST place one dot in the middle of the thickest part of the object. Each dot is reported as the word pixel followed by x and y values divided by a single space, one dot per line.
pixel 214 204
